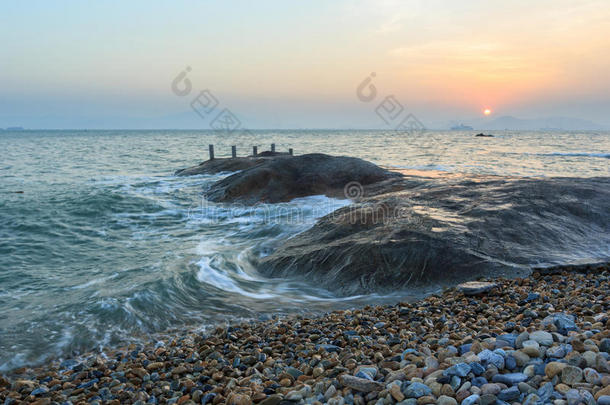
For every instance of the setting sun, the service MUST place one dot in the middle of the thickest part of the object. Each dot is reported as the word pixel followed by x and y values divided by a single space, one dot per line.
pixel 487 111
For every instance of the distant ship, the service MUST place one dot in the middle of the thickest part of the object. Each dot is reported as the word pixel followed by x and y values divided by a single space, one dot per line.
pixel 461 127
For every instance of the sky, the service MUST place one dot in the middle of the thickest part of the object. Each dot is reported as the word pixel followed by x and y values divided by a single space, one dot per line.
pixel 299 64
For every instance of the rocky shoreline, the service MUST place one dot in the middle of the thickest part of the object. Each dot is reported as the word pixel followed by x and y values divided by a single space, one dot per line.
pixel 541 338
pixel 409 231
pixel 535 340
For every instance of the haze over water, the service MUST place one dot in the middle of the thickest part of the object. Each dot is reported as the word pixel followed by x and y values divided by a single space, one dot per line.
pixel 105 245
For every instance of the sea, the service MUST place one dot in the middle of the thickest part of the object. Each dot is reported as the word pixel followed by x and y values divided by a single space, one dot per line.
pixel 101 245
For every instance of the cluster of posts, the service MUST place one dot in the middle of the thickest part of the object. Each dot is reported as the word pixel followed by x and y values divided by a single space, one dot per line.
pixel 234 151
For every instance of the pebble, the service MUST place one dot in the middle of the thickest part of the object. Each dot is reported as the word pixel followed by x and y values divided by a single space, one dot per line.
pixel 488 399
pixel 460 370
pixel 521 359
pixel 563 322
pixel 39 391
pixel 510 378
pixel 416 390
pixel 330 392
pixel 446 400
pixel 492 389
pixel 396 393
pixel 471 400
pixel 509 394
pixel 271 400
pixel 526 388
pixel 603 392
pixel 522 337
pixel 545 391
pixel 542 337
pixel 360 384
pixel 573 397
pixel 604 345
pixel 557 352
pixel 571 375
pixel 531 348
pixel 531 399
pixel 554 368
pixel 489 357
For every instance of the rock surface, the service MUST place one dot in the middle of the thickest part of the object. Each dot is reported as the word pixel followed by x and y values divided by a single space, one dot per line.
pixel 284 177
pixel 415 230
pixel 449 231
pixel 220 165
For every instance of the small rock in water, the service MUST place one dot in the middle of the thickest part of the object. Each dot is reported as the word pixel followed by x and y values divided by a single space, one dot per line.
pixel 476 287
pixel 360 384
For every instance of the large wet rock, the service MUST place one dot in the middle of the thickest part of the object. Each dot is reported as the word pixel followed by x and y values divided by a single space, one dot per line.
pixel 446 231
pixel 285 177
pixel 419 229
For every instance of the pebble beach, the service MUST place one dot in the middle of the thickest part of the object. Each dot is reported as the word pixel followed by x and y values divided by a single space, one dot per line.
pixel 537 340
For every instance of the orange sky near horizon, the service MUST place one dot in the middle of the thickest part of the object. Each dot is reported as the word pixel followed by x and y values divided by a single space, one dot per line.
pixel 443 59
